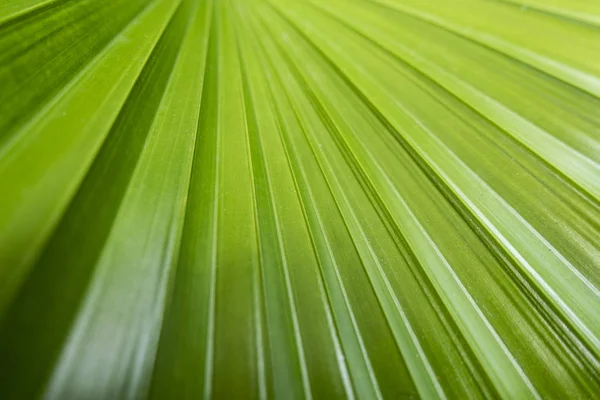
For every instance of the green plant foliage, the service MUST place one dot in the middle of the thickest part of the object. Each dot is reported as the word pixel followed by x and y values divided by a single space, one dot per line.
pixel 373 199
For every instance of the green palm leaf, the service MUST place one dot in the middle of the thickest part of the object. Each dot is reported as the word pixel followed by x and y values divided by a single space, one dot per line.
pixel 299 199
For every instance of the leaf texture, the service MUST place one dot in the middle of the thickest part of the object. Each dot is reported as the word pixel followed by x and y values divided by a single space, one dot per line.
pixel 299 199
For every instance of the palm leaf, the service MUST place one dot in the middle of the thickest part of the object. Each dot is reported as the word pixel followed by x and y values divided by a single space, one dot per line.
pixel 299 199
